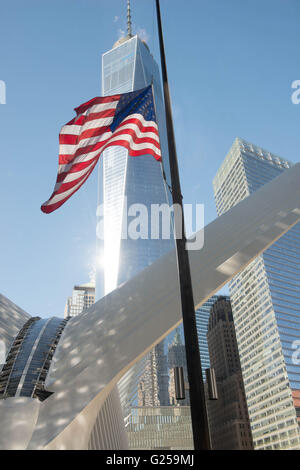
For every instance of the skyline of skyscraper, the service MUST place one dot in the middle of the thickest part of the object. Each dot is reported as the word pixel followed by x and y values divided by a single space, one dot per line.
pixel 265 306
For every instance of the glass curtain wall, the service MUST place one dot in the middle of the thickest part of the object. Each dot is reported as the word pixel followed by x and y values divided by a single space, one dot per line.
pixel 266 307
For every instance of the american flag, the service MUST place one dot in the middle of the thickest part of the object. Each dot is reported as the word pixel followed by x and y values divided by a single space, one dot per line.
pixel 127 120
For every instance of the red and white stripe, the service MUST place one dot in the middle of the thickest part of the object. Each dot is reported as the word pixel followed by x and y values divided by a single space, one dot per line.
pixel 85 137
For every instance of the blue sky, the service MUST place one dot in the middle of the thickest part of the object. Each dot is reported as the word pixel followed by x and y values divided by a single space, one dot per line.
pixel 230 63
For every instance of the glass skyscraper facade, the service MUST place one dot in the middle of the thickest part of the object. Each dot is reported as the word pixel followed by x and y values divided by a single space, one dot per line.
pixel 202 317
pixel 266 307
pixel 125 183
pixel 29 358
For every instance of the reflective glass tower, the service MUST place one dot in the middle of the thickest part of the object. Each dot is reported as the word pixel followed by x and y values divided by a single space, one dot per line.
pixel 127 186
pixel 266 307
pixel 202 317
pixel 127 181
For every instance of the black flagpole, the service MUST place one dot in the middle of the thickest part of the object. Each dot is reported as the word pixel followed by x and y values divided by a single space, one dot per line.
pixel 196 386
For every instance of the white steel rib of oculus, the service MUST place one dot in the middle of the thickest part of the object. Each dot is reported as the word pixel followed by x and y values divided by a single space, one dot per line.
pixel 100 345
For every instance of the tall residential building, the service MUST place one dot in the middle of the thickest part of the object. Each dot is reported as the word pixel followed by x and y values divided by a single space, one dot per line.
pixel 127 183
pixel 83 296
pixel 228 416
pixel 266 306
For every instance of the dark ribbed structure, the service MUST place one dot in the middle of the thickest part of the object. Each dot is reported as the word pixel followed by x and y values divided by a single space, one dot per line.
pixel 28 361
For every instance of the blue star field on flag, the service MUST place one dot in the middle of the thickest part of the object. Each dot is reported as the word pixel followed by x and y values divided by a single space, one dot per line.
pixel 135 102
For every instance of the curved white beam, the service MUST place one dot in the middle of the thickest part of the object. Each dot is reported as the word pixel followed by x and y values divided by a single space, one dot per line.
pixel 12 318
pixel 100 345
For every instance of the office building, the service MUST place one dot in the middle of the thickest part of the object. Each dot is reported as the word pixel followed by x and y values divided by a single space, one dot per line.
pixel 265 304
pixel 83 296
pixel 154 381
pixel 228 415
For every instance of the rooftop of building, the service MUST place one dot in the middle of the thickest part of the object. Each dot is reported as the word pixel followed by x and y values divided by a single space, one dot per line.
pixel 124 39
pixel 87 286
pixel 241 145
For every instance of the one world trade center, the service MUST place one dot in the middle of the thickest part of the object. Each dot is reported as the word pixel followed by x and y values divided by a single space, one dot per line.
pixel 128 183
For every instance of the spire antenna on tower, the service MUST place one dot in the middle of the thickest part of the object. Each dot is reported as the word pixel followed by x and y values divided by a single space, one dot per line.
pixel 129 29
